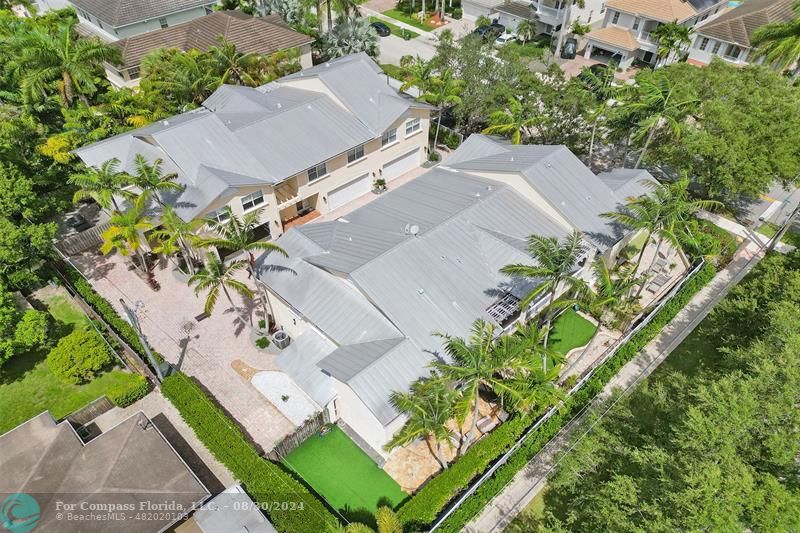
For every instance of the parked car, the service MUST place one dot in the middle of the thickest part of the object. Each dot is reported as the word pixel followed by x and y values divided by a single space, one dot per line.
pixel 504 39
pixel 490 32
pixel 381 29
pixel 570 48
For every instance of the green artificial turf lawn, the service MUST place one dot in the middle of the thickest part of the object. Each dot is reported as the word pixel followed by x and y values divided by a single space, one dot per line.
pixel 343 474
pixel 402 17
pixel 570 330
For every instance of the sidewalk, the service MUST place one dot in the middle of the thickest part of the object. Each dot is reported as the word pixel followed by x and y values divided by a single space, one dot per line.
pixel 743 232
pixel 531 480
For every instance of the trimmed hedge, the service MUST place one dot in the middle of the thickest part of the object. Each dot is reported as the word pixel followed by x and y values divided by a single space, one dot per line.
pixel 125 396
pixel 424 507
pixel 288 504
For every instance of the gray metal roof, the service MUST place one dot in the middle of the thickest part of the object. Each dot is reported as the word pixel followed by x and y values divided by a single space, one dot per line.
pixel 350 360
pixel 299 361
pixel 252 136
pixel 626 182
pixel 232 511
pixel 120 13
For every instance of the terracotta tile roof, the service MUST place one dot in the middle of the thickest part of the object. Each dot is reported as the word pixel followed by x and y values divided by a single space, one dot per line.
pixel 615 36
pixel 261 35
pixel 738 25
pixel 663 10
pixel 120 13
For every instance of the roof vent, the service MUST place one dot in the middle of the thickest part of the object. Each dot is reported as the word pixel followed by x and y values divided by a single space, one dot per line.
pixel 489 188
pixel 477 194
pixel 548 165
pixel 414 230
pixel 165 122
pixel 420 291
pixel 327 65
pixel 279 105
pixel 407 229
pixel 512 158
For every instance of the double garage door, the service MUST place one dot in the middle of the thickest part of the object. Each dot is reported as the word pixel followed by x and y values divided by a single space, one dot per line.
pixel 401 165
pixel 349 191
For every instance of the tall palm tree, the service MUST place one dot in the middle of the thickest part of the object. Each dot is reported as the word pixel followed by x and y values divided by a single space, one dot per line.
pixel 444 91
pixel 186 77
pixel 478 363
pixel 218 276
pixel 602 86
pixel 658 213
pixel 779 42
pixel 419 75
pixel 656 108
pixel 672 38
pixel 512 122
pixel 429 407
pixel 554 265
pixel 238 234
pixel 126 230
pixel 44 58
pixel 151 178
pixel 236 68
pixel 525 31
pixel 177 232
pixel 100 184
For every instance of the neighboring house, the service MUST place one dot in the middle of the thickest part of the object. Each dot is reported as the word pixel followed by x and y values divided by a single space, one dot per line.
pixel 258 35
pixel 118 19
pixel 626 33
pixel 297 147
pixel 129 473
pixel 362 296
pixel 545 15
pixel 729 35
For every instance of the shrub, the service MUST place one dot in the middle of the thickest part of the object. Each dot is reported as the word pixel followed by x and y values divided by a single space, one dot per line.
pixel 287 503
pixel 32 329
pixel 262 324
pixel 482 21
pixel 433 156
pixel 79 356
pixel 262 342
pixel 423 508
pixel 457 13
pixel 136 389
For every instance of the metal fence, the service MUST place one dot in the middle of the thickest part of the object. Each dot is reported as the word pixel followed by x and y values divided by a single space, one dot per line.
pixel 586 376
pixel 290 442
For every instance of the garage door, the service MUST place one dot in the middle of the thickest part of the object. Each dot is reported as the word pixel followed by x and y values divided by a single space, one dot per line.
pixel 401 165
pixel 349 191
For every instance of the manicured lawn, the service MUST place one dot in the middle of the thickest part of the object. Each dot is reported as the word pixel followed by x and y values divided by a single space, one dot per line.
pixel 396 30
pixel 27 387
pixel 570 330
pixel 529 50
pixel 403 17
pixel 791 237
pixel 393 71
pixel 343 474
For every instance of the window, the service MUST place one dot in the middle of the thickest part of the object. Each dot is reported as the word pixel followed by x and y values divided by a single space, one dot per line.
pixel 252 200
pixel 704 17
pixel 703 43
pixel 355 154
pixel 715 50
pixel 388 137
pixel 209 10
pixel 317 171
pixel 163 22
pixel 636 24
pixel 615 18
pixel 413 126
pixel 734 52
pixel 133 73
pixel 220 215
pixel 100 24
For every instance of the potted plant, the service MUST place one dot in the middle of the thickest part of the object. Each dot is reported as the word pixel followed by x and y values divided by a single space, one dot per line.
pixel 262 343
pixel 379 185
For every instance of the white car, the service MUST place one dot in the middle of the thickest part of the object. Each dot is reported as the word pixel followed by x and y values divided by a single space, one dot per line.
pixel 504 39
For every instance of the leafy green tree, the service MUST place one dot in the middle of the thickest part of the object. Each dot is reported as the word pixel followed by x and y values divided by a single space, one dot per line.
pixel 418 74
pixel 125 233
pixel 176 232
pixel 218 276
pixel 24 247
pixel 672 38
pixel 32 330
pixel 779 42
pixel 350 36
pixel 151 179
pixel 429 408
pixel 555 262
pixel 45 60
pixel 238 234
pixel 100 184
pixel 79 357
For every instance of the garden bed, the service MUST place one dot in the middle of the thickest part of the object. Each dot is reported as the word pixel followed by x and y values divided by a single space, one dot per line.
pixel 404 17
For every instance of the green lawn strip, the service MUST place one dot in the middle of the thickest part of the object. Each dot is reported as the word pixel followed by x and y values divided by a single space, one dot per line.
pixel 396 30
pixel 570 331
pixel 65 311
pixel 403 17
pixel 343 474
pixel 791 237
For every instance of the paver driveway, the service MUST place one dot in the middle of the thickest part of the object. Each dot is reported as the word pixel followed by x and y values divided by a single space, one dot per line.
pixel 204 350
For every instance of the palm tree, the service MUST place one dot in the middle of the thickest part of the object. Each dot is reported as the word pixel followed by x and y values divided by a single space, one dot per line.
pixel 566 16
pixel 672 38
pixel 150 178
pixel 419 74
pixel 779 42
pixel 100 184
pixel 238 234
pixel 350 36
pixel 429 407
pixel 177 232
pixel 604 90
pixel 655 108
pixel 554 264
pixel 444 91
pixel 218 276
pixel 478 363
pixel 185 77
pixel 659 213
pixel 525 31
pixel 43 58
pixel 236 68
pixel 511 122
pixel 126 229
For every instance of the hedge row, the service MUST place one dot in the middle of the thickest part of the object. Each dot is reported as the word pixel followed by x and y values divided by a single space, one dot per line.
pixel 424 507
pixel 288 504
pixel 137 389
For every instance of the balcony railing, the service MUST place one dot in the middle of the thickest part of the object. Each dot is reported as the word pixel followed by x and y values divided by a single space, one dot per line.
pixel 647 37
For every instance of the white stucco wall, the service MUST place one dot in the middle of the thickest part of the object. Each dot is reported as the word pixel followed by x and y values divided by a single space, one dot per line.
pixel 120 32
pixel 357 415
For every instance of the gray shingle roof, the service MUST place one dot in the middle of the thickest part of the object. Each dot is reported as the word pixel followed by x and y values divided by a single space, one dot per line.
pixel 120 13
pixel 738 25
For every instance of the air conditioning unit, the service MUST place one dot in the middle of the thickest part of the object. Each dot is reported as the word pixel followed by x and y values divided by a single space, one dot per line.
pixel 281 339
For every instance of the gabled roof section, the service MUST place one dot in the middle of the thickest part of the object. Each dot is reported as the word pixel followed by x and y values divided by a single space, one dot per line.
pixel 615 36
pixel 120 13
pixel 738 25
pixel 348 361
pixel 662 10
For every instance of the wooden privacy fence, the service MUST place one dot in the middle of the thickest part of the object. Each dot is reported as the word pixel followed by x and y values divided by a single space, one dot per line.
pixel 290 442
